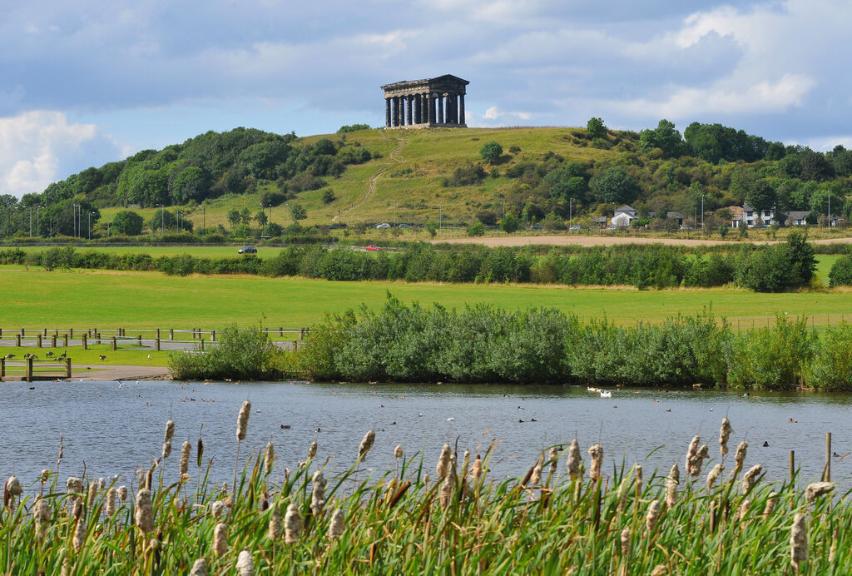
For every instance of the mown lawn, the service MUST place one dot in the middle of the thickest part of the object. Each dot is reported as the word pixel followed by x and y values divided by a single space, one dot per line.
pixel 34 298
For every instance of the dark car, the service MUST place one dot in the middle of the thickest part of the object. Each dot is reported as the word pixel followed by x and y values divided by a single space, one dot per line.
pixel 247 250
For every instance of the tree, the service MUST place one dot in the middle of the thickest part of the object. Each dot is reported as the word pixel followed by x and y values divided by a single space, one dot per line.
pixel 509 223
pixel 491 152
pixel 328 196
pixel 665 137
pixel 165 220
pixel 761 195
pixel 596 128
pixel 191 183
pixel 614 185
pixel 234 217
pixel 802 259
pixel 245 216
pixel 297 211
pixel 128 223
pixel 261 218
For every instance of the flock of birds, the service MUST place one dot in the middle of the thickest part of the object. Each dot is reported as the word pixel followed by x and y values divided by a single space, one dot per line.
pixel 603 393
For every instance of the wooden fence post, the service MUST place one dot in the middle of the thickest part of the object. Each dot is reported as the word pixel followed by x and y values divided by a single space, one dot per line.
pixel 65 340
pixel 45 332
pixel 157 343
pixel 85 338
pixel 53 341
pixel 22 332
pixel 171 333
pixel 2 367
pixel 281 331
pixel 38 340
pixel 139 340
pixel 114 343
pixel 826 475
pixel 17 340
pixel 213 335
pixel 70 332
pixel 158 333
pixel 29 375
pixel 202 344
pixel 1 332
pixel 68 367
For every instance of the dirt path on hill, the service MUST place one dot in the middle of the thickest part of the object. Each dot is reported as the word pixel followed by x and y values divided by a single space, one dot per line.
pixel 394 155
pixel 565 240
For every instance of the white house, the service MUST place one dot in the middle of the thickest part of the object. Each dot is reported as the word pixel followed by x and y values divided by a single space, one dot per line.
pixel 797 218
pixel 624 215
pixel 750 217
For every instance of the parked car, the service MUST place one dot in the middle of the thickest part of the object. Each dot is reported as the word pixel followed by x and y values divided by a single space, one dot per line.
pixel 383 225
pixel 372 248
pixel 247 250
pixel 575 228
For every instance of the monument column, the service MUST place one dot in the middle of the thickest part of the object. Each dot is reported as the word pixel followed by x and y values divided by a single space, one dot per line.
pixel 462 119
pixel 440 108
pixel 426 104
pixel 451 109
pixel 394 111
pixel 418 109
pixel 387 112
pixel 408 112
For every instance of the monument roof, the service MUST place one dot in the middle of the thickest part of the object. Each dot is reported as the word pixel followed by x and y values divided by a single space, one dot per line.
pixel 446 78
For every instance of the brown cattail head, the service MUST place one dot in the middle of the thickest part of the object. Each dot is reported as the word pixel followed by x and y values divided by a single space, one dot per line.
pixel 93 493
pixel 397 452
pixel 596 454
pixel 535 476
pixel 109 507
pixel 366 444
pixel 696 460
pixel 167 438
pixel 817 489
pixel 11 491
pixel 743 511
pixel 79 534
pixel 268 458
pixel 242 420
pixel 659 570
pixel 625 542
pixel 771 501
pixel 672 481
pixel 274 531
pixel 292 524
pixel 652 516
pixel 740 456
pixel 575 460
pixel 122 493
pixel 199 452
pixel 144 513
pixel 217 508
pixel 637 473
pixel 751 477
pixel 74 485
pixel 318 493
pixel 245 565
pixel 442 469
pixel 42 514
pixel 76 507
pixel 337 525
pixel 446 494
pixel 714 474
pixel 799 541
pixel 199 568
pixel 220 539
pixel 724 436
pixel 476 469
pixel 312 450
pixel 692 450
pixel 185 450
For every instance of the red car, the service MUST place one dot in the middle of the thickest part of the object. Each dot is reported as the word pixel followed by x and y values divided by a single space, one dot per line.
pixel 372 248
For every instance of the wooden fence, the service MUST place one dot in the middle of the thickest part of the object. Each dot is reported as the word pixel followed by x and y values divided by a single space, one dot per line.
pixel 31 369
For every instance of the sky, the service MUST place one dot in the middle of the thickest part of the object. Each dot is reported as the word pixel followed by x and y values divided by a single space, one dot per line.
pixel 84 82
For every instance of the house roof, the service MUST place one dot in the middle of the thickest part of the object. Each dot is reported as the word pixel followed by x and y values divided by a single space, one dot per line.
pixel 748 208
pixel 797 214
pixel 674 215
pixel 625 209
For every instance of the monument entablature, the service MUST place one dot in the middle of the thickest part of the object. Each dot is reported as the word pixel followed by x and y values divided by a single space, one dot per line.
pixel 430 102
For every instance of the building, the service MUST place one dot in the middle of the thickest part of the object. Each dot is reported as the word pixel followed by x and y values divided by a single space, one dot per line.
pixel 425 103
pixel 797 218
pixel 624 215
pixel 750 217
pixel 676 217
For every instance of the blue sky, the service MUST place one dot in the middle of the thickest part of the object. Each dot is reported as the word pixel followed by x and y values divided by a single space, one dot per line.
pixel 89 81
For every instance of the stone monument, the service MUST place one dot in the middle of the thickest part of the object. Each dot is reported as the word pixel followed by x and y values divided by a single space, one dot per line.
pixel 432 102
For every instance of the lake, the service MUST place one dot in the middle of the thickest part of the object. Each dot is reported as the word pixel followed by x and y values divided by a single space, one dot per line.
pixel 114 428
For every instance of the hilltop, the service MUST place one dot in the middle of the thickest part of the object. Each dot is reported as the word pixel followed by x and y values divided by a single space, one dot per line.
pixel 360 176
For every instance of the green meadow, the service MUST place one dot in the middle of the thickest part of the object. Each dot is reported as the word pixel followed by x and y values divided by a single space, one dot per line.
pixel 34 298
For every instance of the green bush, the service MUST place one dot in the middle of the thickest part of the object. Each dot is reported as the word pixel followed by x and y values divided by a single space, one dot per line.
pixel 491 152
pixel 831 369
pixel 841 271
pixel 772 358
pixel 239 354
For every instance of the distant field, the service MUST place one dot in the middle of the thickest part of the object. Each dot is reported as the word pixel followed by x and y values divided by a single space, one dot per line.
pixel 35 299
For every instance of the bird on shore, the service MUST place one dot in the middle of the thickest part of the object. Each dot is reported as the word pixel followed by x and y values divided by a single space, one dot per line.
pixel 49 354
pixel 101 357
pixel 606 394
pixel 9 356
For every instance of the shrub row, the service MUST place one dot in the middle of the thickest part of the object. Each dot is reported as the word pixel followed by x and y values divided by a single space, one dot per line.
pixel 411 343
pixel 765 269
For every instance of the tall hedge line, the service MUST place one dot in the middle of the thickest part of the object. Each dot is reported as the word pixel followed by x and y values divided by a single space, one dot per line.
pixel 412 343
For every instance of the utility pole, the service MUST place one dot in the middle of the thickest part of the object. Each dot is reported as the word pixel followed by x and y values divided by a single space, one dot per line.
pixel 702 211
pixel 90 224
pixel 829 210
pixel 162 219
pixel 31 222
pixel 570 212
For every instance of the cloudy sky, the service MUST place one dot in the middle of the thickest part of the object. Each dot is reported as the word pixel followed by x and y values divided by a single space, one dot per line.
pixel 83 82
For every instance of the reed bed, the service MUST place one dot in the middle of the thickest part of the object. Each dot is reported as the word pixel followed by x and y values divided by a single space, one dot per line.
pixel 572 513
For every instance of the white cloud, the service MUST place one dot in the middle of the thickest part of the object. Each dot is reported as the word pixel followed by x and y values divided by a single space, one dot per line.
pixel 34 146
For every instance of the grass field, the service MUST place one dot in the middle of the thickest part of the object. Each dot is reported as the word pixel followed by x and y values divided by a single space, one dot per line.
pixel 37 299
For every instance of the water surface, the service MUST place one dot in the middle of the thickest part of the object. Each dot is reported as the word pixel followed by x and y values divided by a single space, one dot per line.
pixel 114 428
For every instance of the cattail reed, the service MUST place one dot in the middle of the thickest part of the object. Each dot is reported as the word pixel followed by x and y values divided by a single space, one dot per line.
pixel 144 513
pixel 167 438
pixel 695 461
pixel 692 451
pixel 659 570
pixel 771 501
pixel 11 492
pixel 724 436
pixel 199 452
pixel 245 565
pixel 185 450
pixel 79 534
pixel 672 481
pixel 741 514
pixel 476 469
pixel 109 507
pixel 122 493
pixel 366 444
pixel 596 454
pixel 42 514
pixel 312 450
pixel 799 541
pixel 268 458
pixel 274 528
pixel 220 539
pixel 199 568
pixel 292 524
pixel 446 493
pixel 217 509
pixel 817 489
pixel 242 420
pixel 337 525
pixel 535 476
pixel 739 457
pixel 93 493
pixel 442 469
pixel 652 516
pixel 74 485
pixel 574 463
pixel 751 477
pixel 397 452
pixel 714 474
pixel 318 493
pixel 637 474
pixel 553 460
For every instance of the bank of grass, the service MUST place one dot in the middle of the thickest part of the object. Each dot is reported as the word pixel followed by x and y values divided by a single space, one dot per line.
pixel 572 513
pixel 34 298
pixel 92 356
